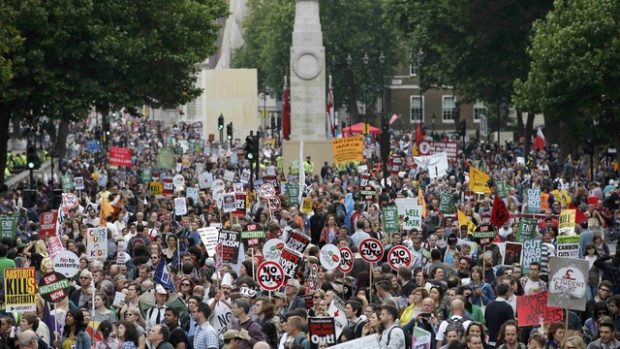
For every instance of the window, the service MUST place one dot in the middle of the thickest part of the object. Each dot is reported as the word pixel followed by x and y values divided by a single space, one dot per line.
pixel 413 69
pixel 479 110
pixel 448 106
pixel 417 108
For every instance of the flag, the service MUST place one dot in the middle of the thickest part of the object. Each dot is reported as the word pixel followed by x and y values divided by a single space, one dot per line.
pixel 419 135
pixel 499 213
pixel 539 142
pixel 330 111
pixel 422 202
pixel 162 275
pixel 478 181
pixel 302 171
pixel 394 118
pixel 286 112
pixel 465 221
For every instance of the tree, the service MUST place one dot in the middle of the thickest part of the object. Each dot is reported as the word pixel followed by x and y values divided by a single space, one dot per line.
pixel 478 47
pixel 363 30
pixel 573 77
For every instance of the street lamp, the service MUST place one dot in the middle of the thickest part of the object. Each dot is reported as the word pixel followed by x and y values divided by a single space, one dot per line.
pixel 421 57
pixel 365 60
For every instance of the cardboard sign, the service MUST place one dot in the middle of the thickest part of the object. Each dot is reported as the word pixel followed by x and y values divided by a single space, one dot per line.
pixel 568 246
pixel 346 260
pixel 390 219
pixel 568 282
pixel 567 222
pixel 20 289
pixel 272 249
pixel 209 238
pixel 330 257
pixel 531 251
pixel 322 331
pixel 230 242
pixel 348 149
pixel 533 308
pixel 180 206
pixel 512 253
pixel 297 241
pixel 97 243
pixel 371 250
pixel 270 276
pixel 336 310
pixel 54 287
pixel 47 224
pixel 399 256
pixel 290 261
pixel 533 200
pixel 527 229
pixel 120 156
pixel 67 263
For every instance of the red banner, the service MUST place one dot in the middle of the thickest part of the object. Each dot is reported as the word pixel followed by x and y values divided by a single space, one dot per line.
pixel 120 156
pixel 47 224
pixel 530 310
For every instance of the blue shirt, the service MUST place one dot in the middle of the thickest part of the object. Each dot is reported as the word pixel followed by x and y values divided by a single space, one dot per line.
pixel 206 337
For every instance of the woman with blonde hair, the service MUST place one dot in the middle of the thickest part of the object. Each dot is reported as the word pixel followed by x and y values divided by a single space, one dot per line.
pixel 574 342
pixel 40 252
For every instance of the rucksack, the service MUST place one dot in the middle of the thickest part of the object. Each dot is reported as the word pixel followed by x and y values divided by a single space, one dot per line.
pixel 408 339
pixel 456 324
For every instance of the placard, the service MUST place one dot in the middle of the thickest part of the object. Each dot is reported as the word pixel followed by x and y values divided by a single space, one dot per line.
pixel 54 287
pixel 330 257
pixel 78 183
pixel 533 200
pixel 209 238
pixel 97 243
pixel 54 245
pixel 20 289
pixel 371 250
pixel 120 156
pixel 366 342
pixel 180 206
pixel 413 217
pixel 272 249
pixel 270 276
pixel 229 202
pixel 168 186
pixel 533 308
pixel 290 261
pixel 336 310
pixel 9 226
pixel 446 203
pixel 527 229
pixel 568 282
pixel 399 256
pixel 156 188
pixel 229 176
pixel 178 181
pixel 297 241
pixel 531 252
pixel 67 263
pixel 192 192
pixel 230 245
pixel 567 222
pixel 204 180
pixel 47 224
pixel 348 149
pixel 322 331
pixel 512 253
pixel 390 219
pixel 568 246
pixel 346 260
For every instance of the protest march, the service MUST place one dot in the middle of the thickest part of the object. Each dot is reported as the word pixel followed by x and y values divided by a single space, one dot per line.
pixel 159 238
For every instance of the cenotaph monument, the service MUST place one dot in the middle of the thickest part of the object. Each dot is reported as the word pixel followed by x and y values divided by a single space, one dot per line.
pixel 308 88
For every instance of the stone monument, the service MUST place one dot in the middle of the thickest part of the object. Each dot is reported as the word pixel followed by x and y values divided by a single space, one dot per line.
pixel 307 74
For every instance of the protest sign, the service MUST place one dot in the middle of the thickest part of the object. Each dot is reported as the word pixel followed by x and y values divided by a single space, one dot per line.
pixel 322 332
pixel 463 220
pixel 270 276
pixel 478 181
pixel 435 164
pixel 365 342
pixel 568 282
pixel 371 250
pixel 403 204
pixel 297 241
pixel 20 289
pixel 54 245
pixel 272 249
pixel 484 234
pixel 47 224
pixel 568 246
pixel 399 256
pixel 168 186
pixel 390 219
pixel 120 156
pixel 119 299
pixel 230 245
pixel 166 159
pixel 209 238
pixel 501 188
pixel 348 149
pixel 204 180
pixel 9 226
pixel 533 310
pixel 421 338
pixel 121 253
pixel 97 243
pixel 229 202
pixel 290 261
pixel 567 222
pixel 92 146
pixel 526 230
pixel 192 192
pixel 180 206
pixel 413 217
pixel 330 256
pixel 66 181
pixel 156 188
pixel 336 310
pixel 533 200
pixel 512 253
pixel 67 263
pixel 178 181
pixel 446 203
pixel 54 287
pixel 229 176
pixel 252 237
pixel 346 260
pixel 147 175
pixel 78 183
pixel 531 252
pixel 221 318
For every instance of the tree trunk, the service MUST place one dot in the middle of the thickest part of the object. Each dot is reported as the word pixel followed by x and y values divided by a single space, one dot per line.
pixel 353 99
pixel 5 117
pixel 61 144
pixel 520 126
pixel 528 130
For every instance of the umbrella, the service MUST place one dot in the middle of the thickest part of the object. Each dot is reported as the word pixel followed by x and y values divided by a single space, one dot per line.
pixel 147 300
pixel 359 129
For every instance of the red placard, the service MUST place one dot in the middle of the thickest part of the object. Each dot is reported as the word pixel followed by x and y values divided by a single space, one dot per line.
pixel 270 276
pixel 371 250
pixel 47 224
pixel 534 307
pixel 120 156
pixel 399 256
pixel 168 186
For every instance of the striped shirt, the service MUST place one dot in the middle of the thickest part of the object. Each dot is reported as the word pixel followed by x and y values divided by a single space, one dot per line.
pixel 206 337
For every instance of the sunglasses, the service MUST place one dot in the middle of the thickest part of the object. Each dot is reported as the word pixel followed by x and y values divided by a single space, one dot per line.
pixel 185 284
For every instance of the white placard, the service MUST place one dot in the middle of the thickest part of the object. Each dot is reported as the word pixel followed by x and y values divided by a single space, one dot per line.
pixel 180 206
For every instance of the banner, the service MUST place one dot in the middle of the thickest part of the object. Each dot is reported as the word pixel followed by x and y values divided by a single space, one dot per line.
pixel 446 203
pixel 465 221
pixel 20 289
pixel 322 332
pixel 97 243
pixel 348 149
pixel 533 200
pixel 567 222
pixel 120 156
pixel 436 164
pixel 532 309
pixel 527 229
pixel 568 246
pixel 9 226
pixel 568 282
pixel 390 219
pixel 531 251
pixel 478 181
pixel 230 245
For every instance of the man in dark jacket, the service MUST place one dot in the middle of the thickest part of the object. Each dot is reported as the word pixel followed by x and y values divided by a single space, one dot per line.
pixel 497 312
pixel 611 269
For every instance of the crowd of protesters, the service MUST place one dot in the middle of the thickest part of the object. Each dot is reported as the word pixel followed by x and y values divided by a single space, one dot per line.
pixel 460 293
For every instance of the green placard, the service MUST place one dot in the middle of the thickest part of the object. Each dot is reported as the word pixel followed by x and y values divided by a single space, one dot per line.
pixel 484 234
pixel 257 234
pixel 292 193
pixel 9 226
pixel 390 219
pixel 66 181
pixel 147 175
pixel 502 189
pixel 526 230
pixel 446 205
pixel 166 159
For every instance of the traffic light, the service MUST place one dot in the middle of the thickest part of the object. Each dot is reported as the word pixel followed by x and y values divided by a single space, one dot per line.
pixel 249 148
pixel 32 158
pixel 229 131
pixel 220 122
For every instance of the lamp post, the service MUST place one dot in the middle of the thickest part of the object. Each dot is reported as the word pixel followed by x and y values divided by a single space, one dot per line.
pixel 421 57
pixel 365 60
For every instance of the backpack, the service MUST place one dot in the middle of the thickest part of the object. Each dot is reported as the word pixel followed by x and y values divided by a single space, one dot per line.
pixel 408 339
pixel 456 324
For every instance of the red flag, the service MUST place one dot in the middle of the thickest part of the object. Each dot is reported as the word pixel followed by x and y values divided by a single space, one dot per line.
pixel 539 142
pixel 419 134
pixel 286 112
pixel 499 213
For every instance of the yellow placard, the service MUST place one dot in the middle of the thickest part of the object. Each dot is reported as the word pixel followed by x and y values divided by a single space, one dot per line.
pixel 306 206
pixel 156 187
pixel 478 181
pixel 465 221
pixel 348 149
pixel 567 222
pixel 20 289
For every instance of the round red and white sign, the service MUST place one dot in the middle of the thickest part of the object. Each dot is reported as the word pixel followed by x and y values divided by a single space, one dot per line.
pixel 330 257
pixel 371 250
pixel 266 191
pixel 425 148
pixel 178 181
pixel 272 249
pixel 399 256
pixel 69 200
pixel 270 276
pixel 346 260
